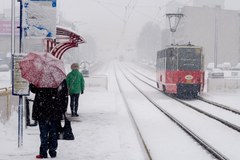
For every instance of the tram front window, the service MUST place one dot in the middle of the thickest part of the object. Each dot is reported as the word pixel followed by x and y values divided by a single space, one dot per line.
pixel 189 59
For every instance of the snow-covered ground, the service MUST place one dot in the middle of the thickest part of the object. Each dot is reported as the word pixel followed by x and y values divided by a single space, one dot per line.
pixel 103 133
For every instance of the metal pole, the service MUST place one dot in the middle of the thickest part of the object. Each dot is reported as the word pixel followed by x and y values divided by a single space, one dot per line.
pixel 13 27
pixel 12 39
pixel 173 39
pixel 20 35
pixel 20 105
pixel 215 42
pixel 20 121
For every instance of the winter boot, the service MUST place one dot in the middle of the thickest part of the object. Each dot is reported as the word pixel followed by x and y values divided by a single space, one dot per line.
pixel 40 156
pixel 52 153
pixel 73 114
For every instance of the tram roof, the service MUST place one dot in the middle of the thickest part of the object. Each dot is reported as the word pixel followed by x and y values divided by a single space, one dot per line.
pixel 182 46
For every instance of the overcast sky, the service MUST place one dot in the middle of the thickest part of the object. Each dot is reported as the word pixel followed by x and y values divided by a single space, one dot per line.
pixel 118 22
pixel 115 22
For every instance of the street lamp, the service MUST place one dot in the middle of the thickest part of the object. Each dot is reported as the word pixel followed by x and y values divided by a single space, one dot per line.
pixel 215 41
pixel 174 19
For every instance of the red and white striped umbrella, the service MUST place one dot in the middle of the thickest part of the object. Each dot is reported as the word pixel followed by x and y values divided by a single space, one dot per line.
pixel 43 70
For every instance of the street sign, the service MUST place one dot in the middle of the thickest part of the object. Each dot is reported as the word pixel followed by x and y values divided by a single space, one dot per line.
pixel 39 18
pixel 54 2
pixel 20 86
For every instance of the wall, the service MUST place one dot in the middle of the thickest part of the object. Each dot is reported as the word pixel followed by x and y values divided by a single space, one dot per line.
pixel 222 84
pixel 198 27
pixel 210 3
pixel 8 104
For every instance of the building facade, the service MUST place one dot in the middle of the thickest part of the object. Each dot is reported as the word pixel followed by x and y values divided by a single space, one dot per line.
pixel 215 29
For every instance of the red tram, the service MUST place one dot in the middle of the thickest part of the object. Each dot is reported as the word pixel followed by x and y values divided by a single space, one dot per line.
pixel 180 70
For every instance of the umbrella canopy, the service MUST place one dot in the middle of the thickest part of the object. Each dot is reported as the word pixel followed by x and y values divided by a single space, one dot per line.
pixel 43 70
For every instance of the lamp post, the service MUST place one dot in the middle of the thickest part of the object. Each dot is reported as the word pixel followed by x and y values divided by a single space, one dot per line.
pixel 174 19
pixel 215 41
pixel 20 104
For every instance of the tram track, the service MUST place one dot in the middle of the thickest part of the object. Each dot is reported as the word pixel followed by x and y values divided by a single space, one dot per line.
pixel 216 104
pixel 213 105
pixel 224 107
pixel 144 147
pixel 203 143
pixel 219 105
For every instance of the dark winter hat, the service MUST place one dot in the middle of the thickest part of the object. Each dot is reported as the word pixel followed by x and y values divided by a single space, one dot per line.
pixel 75 66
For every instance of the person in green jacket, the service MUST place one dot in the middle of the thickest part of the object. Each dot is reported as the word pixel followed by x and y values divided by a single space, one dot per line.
pixel 75 83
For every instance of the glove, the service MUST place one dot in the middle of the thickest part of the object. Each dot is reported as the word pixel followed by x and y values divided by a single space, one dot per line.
pixel 82 92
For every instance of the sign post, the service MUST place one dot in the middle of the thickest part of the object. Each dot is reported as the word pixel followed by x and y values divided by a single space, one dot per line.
pixel 37 21
pixel 20 88
pixel 19 85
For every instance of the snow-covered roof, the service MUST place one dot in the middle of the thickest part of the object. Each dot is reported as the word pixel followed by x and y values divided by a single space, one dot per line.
pixel 66 31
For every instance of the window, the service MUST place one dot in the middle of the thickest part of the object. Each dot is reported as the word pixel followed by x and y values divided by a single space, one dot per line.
pixel 189 59
pixel 171 56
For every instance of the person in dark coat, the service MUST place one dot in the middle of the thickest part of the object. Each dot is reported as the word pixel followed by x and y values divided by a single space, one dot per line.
pixel 49 106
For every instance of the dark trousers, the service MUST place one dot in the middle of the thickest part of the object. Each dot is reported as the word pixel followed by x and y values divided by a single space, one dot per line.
pixel 74 102
pixel 48 137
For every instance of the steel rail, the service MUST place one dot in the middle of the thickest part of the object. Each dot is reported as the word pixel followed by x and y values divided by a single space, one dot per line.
pixel 219 105
pixel 204 144
pixel 231 125
pixel 199 97
pixel 146 151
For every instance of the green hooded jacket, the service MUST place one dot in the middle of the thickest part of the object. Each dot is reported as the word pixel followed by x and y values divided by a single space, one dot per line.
pixel 75 82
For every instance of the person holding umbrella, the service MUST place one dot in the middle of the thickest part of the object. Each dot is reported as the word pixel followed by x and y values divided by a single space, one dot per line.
pixel 49 106
pixel 75 83
pixel 46 75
